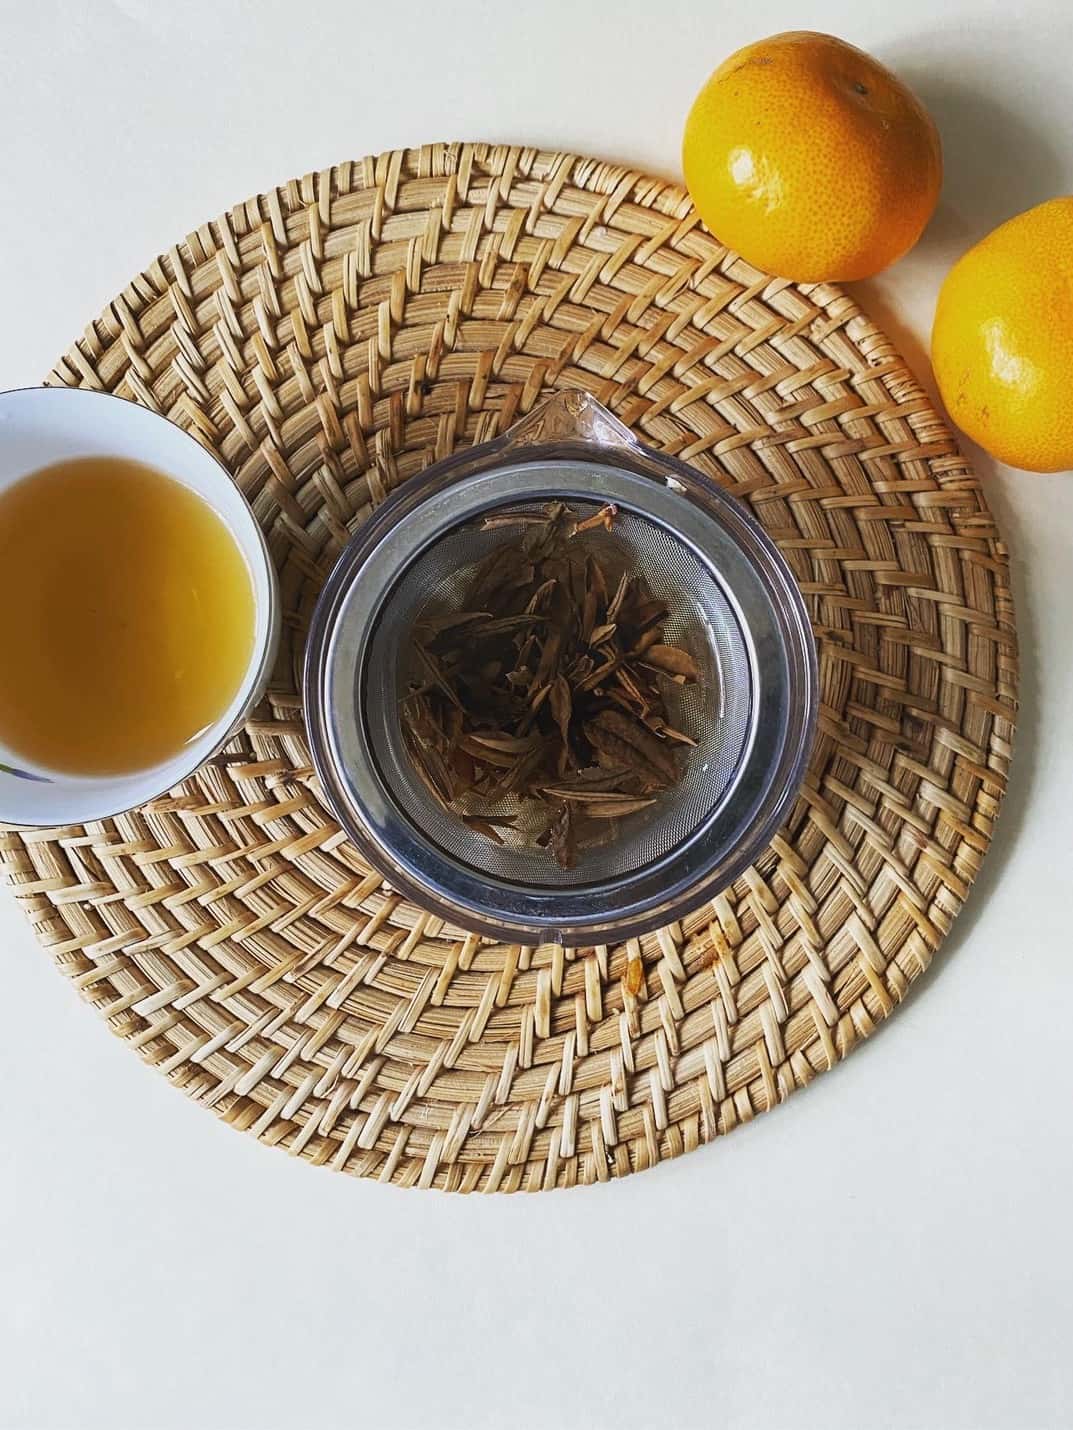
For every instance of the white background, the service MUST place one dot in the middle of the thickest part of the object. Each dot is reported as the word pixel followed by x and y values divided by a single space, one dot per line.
pixel 892 1248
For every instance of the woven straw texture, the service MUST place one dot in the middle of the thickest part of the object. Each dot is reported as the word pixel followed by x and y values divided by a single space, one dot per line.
pixel 330 339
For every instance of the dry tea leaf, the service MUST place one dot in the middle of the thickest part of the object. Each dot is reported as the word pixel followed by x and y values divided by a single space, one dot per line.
pixel 672 661
pixel 607 808
pixel 559 836
pixel 646 639
pixel 489 826
pixel 614 728
pixel 619 597
pixel 605 517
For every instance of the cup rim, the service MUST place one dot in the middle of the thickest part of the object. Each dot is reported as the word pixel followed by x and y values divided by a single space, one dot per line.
pixel 155 780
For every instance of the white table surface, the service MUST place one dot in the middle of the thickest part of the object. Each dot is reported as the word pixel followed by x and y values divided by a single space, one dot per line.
pixel 892 1248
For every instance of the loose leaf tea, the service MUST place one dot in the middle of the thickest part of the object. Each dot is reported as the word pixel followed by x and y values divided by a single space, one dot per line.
pixel 547 686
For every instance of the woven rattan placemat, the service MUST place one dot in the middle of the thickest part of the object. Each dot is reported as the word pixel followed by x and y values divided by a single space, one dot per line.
pixel 330 339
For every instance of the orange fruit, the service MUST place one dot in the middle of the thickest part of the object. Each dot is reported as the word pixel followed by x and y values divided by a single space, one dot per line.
pixel 811 159
pixel 1002 341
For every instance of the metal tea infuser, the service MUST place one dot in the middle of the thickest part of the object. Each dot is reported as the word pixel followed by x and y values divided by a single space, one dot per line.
pixel 732 603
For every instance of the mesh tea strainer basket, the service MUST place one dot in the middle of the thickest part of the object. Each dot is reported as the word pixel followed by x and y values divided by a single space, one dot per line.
pixel 732 604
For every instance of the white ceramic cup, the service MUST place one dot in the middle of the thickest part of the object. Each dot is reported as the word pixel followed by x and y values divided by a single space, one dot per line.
pixel 43 425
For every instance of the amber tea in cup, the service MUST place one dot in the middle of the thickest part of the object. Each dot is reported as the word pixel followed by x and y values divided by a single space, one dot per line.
pixel 129 619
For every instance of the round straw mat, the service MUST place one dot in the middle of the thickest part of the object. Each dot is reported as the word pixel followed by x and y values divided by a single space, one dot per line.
pixel 330 339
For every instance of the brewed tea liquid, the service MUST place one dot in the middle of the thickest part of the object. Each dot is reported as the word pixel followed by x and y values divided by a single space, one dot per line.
pixel 127 618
